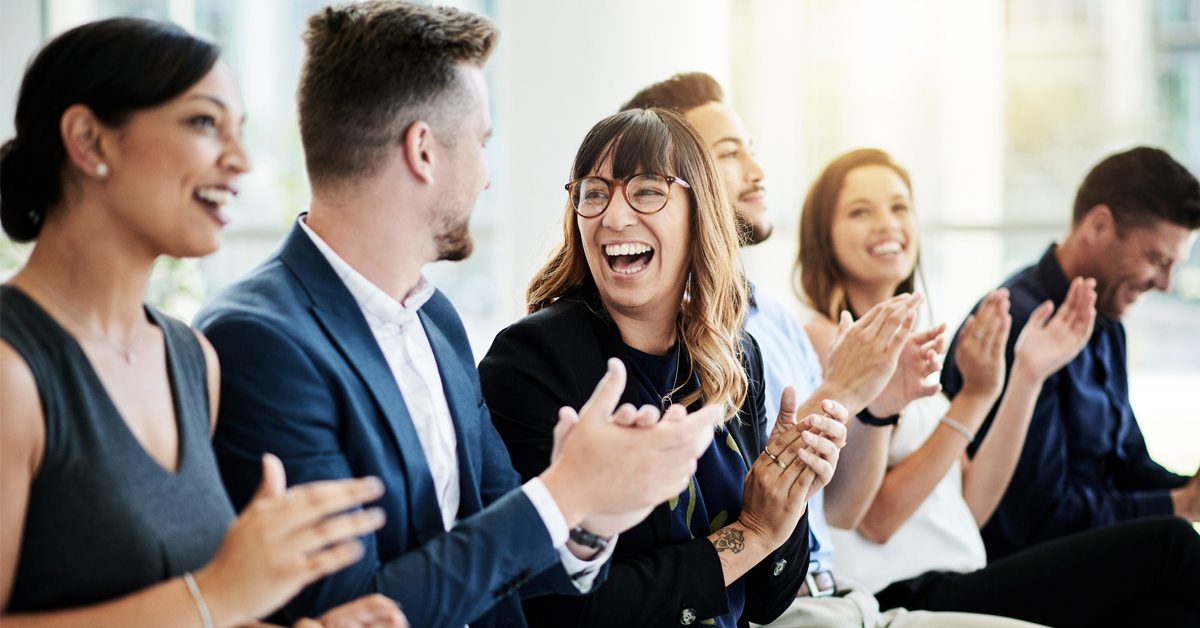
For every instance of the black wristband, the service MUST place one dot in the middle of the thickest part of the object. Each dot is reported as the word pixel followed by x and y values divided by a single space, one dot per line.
pixel 870 419
pixel 587 539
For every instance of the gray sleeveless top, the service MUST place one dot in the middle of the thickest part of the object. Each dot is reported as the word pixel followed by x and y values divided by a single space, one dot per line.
pixel 104 518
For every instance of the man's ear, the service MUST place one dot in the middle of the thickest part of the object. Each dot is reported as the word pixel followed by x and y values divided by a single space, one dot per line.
pixel 1098 225
pixel 82 136
pixel 418 147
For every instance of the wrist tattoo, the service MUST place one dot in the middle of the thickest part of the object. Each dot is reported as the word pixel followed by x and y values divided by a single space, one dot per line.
pixel 730 539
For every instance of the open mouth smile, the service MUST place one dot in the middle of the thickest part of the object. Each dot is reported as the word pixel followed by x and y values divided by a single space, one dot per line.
pixel 213 198
pixel 629 258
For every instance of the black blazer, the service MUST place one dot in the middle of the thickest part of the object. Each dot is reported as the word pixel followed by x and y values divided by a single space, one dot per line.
pixel 554 358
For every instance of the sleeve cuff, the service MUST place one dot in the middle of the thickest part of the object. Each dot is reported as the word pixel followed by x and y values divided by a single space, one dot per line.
pixel 1151 503
pixel 547 508
pixel 582 572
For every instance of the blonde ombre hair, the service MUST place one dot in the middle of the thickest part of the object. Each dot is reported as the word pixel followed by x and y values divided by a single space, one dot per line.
pixel 714 303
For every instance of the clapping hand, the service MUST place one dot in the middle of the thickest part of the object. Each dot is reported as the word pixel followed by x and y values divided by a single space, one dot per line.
pixel 918 360
pixel 864 353
pixel 371 611
pixel 1047 344
pixel 981 343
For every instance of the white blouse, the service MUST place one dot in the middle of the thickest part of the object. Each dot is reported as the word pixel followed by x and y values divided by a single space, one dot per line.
pixel 940 535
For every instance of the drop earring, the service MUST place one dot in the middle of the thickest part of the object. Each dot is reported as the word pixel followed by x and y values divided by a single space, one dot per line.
pixel 101 169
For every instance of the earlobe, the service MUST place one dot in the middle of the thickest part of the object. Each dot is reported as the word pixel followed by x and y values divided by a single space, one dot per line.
pixel 81 135
pixel 418 151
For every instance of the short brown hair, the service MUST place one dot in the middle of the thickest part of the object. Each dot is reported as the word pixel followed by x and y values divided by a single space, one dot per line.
pixel 1139 187
pixel 819 278
pixel 372 69
pixel 682 93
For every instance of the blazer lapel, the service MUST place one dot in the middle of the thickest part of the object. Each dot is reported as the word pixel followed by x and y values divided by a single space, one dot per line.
pixel 464 410
pixel 339 315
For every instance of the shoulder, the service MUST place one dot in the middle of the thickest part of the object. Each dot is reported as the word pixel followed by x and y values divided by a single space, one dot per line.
pixel 821 331
pixel 270 292
pixel 22 432
pixel 563 327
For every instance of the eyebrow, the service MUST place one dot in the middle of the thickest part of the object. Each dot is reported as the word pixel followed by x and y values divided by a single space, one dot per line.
pixel 216 101
pixel 736 140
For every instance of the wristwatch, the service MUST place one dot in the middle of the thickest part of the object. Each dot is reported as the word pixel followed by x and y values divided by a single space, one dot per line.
pixel 587 539
pixel 870 419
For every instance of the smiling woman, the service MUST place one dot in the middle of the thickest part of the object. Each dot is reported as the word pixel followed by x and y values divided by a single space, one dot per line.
pixel 128 145
pixel 648 272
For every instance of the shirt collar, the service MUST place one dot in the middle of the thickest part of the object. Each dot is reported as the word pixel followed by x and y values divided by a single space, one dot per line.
pixel 371 300
pixel 1054 281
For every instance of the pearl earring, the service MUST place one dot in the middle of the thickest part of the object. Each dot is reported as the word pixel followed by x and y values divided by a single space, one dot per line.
pixel 101 169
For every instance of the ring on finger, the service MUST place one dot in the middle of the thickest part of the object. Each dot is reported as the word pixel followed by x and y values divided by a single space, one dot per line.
pixel 781 464
pixel 770 455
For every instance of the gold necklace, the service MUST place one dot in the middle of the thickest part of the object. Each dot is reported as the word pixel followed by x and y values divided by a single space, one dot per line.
pixel 93 329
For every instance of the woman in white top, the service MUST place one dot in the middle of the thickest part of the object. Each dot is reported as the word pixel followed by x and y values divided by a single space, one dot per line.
pixel 921 499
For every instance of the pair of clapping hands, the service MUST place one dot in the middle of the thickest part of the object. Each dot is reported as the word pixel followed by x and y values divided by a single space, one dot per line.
pixel 885 365
pixel 655 467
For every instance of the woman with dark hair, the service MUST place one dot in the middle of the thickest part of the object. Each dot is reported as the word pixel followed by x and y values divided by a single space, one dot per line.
pixel 128 145
pixel 916 541
pixel 649 273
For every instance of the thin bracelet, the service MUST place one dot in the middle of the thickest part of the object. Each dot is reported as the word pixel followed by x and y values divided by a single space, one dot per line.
pixel 205 616
pixel 958 427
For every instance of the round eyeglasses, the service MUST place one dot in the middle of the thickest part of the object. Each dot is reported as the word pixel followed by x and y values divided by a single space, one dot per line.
pixel 645 193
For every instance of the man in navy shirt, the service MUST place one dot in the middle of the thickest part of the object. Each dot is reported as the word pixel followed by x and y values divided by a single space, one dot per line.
pixel 1085 463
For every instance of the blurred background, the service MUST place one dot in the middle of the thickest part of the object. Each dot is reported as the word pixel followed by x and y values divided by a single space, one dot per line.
pixel 997 107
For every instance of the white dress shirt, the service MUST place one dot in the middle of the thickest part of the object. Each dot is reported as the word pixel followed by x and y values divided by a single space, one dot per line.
pixel 401 337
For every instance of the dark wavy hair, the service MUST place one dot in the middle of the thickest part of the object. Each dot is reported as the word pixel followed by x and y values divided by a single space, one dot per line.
pixel 114 67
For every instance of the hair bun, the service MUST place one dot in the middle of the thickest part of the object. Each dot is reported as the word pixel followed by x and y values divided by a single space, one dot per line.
pixel 21 212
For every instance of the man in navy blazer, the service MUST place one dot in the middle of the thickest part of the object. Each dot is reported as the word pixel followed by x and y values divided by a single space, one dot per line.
pixel 340 358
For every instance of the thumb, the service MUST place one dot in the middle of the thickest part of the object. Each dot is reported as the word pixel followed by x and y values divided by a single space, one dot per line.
pixel 607 394
pixel 274 481
pixel 787 407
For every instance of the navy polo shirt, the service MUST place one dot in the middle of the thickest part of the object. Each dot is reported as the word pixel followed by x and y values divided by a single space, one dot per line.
pixel 1084 464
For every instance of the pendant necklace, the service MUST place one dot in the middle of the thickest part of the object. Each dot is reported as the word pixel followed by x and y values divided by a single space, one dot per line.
pixel 93 329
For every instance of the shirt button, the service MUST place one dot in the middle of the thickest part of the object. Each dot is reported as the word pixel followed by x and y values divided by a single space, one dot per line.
pixel 779 565
pixel 688 616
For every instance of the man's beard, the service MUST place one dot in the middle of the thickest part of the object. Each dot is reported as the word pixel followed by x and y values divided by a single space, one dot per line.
pixel 453 238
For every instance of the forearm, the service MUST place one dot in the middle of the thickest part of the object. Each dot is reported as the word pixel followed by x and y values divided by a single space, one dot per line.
pixel 860 473
pixel 165 605
pixel 739 549
pixel 910 482
pixel 987 475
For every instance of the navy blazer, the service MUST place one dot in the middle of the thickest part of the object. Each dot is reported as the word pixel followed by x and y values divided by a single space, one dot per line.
pixel 303 377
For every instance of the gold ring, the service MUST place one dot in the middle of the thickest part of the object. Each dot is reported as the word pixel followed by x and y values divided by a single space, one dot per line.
pixel 769 454
pixel 840 445
pixel 780 463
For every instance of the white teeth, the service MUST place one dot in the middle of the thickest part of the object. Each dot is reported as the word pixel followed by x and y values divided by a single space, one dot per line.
pixel 626 249
pixel 216 196
pixel 629 271
pixel 886 248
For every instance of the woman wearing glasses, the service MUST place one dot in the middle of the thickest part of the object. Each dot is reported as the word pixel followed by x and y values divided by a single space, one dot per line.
pixel 649 273
pixel 128 144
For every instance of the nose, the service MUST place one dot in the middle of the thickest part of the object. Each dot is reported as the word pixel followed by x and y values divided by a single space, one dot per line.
pixel 1162 279
pixel 754 172
pixel 619 214
pixel 235 156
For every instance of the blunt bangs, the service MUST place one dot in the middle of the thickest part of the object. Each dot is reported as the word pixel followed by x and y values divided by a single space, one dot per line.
pixel 637 141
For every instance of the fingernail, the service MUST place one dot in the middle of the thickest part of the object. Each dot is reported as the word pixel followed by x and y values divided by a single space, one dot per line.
pixel 372 484
pixel 376 516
